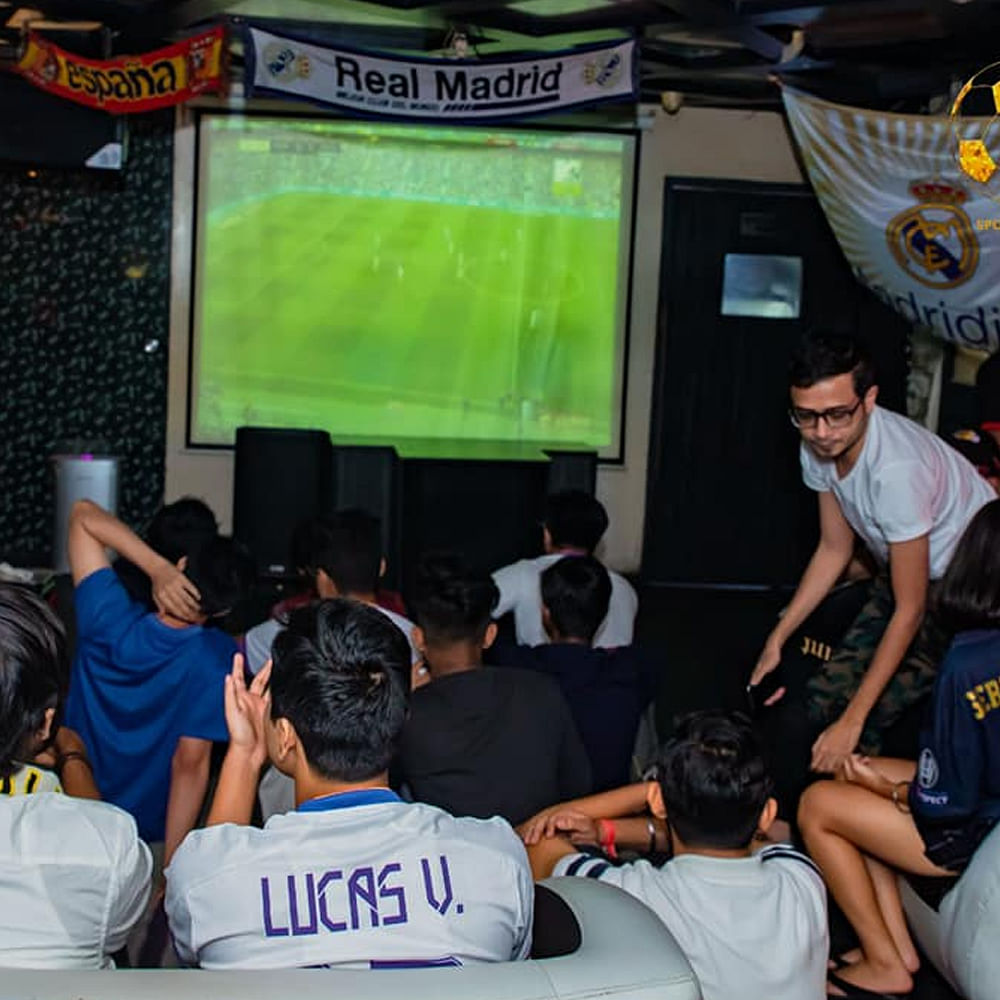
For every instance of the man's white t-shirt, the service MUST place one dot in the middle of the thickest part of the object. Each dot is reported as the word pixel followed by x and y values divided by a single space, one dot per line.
pixel 360 879
pixel 74 880
pixel 258 640
pixel 907 482
pixel 750 927
pixel 521 592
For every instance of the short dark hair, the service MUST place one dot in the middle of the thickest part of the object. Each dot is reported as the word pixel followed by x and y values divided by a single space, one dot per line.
pixel 450 602
pixel 577 592
pixel 575 518
pixel 350 551
pixel 714 780
pixel 223 571
pixel 969 595
pixel 821 354
pixel 178 528
pixel 341 676
pixel 33 671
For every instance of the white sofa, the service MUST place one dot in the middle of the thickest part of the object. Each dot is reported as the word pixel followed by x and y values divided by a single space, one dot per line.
pixel 624 953
pixel 962 937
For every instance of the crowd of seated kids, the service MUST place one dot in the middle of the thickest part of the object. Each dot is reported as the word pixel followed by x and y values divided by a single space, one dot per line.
pixel 443 770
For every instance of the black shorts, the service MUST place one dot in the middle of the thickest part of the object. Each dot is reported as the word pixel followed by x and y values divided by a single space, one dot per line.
pixel 952 847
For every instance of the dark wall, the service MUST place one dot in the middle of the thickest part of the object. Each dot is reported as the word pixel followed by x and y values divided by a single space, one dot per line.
pixel 84 300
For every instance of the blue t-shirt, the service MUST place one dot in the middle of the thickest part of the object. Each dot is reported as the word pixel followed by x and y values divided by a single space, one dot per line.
pixel 958 770
pixel 136 687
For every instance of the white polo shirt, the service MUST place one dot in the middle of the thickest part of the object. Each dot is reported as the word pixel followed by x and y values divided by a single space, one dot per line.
pixel 906 483
pixel 359 879
pixel 750 927
pixel 74 880
pixel 521 592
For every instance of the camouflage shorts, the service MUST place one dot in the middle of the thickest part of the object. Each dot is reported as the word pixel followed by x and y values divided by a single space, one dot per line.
pixel 830 690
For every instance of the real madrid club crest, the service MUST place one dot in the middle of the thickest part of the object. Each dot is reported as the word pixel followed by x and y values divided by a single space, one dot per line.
pixel 603 71
pixel 933 241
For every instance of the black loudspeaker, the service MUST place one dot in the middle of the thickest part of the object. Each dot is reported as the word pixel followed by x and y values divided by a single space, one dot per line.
pixel 368 478
pixel 281 477
pixel 572 470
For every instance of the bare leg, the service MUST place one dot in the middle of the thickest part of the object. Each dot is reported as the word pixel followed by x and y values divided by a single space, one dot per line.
pixel 841 823
pixel 891 907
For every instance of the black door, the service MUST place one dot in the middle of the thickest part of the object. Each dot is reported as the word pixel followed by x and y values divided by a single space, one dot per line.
pixel 725 500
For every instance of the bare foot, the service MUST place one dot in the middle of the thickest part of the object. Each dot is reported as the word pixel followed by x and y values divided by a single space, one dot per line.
pixel 854 955
pixel 877 978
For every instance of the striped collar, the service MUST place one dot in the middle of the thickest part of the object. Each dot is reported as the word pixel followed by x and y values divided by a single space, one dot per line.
pixel 347 800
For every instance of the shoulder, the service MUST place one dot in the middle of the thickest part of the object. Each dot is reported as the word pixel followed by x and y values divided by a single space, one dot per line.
pixel 494 835
pixel 95 829
pixel 516 572
pixel 203 852
pixel 971 655
pixel 783 861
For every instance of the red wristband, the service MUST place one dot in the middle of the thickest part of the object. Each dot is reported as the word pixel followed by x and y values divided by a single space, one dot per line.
pixel 606 835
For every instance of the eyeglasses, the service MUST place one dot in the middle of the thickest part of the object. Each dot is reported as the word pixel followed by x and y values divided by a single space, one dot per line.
pixel 836 417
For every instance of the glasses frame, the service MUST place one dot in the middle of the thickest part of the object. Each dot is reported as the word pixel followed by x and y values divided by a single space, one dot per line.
pixel 815 416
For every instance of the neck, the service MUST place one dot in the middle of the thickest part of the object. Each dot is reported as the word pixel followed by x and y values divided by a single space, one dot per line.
pixel 569 550
pixel 362 596
pixel 455 658
pixel 568 640
pixel 171 622
pixel 710 852
pixel 314 786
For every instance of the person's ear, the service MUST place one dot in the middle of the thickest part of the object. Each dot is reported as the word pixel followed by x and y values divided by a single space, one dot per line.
pixel 45 730
pixel 870 397
pixel 767 816
pixel 491 635
pixel 182 563
pixel 419 639
pixel 546 538
pixel 547 622
pixel 286 740
pixel 654 799
pixel 381 567
pixel 325 587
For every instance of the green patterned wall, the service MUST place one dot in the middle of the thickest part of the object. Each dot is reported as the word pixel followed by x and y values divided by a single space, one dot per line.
pixel 84 300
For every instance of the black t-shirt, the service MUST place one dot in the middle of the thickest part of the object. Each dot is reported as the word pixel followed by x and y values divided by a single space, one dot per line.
pixel 607 691
pixel 489 742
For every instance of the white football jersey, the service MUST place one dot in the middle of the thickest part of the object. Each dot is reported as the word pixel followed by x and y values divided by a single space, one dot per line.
pixel 360 879
pixel 74 880
pixel 521 592
pixel 750 927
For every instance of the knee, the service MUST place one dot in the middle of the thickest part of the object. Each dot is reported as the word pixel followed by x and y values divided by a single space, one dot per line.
pixel 816 806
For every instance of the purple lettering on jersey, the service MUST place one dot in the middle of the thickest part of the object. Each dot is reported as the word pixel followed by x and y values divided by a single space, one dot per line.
pixel 442 906
pixel 324 913
pixel 361 885
pixel 265 898
pixel 300 929
pixel 392 892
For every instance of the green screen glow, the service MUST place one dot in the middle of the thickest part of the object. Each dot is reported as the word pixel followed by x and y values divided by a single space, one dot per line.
pixel 401 283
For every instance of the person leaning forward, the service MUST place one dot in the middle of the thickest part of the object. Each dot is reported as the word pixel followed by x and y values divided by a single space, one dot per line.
pixel 909 497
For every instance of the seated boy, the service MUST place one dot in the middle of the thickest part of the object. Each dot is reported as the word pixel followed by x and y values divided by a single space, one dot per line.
pixel 355 875
pixel 481 741
pixel 750 924
pixel 146 687
pixel 573 525
pixel 345 561
pixel 606 689
pixel 75 874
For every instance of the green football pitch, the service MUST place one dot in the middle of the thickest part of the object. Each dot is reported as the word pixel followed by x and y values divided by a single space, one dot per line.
pixel 390 319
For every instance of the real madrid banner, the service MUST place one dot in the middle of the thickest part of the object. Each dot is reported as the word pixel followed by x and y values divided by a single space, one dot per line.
pixel 436 89
pixel 129 83
pixel 921 235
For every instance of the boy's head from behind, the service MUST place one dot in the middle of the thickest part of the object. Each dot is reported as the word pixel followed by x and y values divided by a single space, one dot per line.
pixel 348 555
pixel 573 520
pixel 576 593
pixel 223 571
pixel 713 782
pixel 180 527
pixel 33 674
pixel 339 686
pixel 451 604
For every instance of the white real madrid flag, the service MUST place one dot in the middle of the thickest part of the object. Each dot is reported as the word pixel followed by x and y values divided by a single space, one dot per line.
pixel 919 233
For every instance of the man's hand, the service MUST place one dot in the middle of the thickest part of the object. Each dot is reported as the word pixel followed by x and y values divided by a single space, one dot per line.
pixel 768 660
pixel 834 744
pixel 174 594
pixel 571 823
pixel 246 711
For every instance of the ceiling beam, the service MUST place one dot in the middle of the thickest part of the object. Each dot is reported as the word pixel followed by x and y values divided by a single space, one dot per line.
pixel 721 19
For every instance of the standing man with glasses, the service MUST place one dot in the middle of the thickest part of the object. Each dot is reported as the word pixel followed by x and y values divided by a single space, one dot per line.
pixel 909 497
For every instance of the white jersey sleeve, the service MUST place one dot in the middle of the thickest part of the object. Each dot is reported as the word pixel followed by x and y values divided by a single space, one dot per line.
pixel 131 881
pixel 258 644
pixel 510 582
